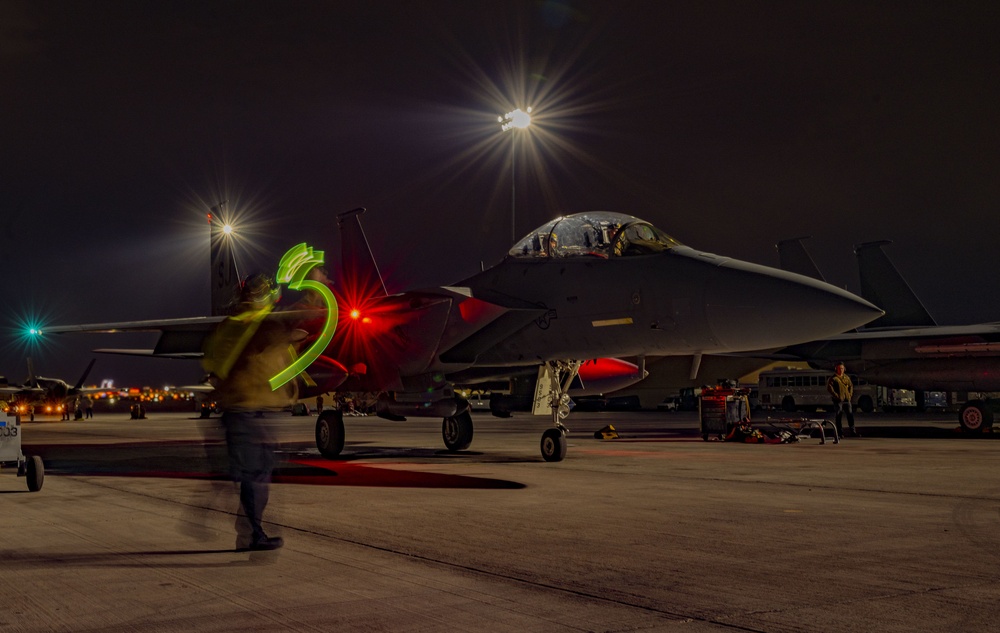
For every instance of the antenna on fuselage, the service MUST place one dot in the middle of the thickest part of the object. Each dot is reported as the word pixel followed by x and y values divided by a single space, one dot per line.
pixel 358 275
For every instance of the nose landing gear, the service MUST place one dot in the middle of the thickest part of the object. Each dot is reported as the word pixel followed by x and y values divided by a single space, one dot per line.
pixel 554 380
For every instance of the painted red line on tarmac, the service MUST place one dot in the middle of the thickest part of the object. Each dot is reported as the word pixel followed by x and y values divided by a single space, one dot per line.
pixel 353 474
pixel 323 472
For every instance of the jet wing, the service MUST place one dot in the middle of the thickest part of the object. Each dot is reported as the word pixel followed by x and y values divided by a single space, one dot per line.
pixel 146 352
pixel 904 342
pixel 200 388
pixel 934 331
pixel 179 338
pixel 154 325
pixel 14 390
pixel 447 321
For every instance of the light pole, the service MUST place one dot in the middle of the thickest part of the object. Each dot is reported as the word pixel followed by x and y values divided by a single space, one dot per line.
pixel 514 119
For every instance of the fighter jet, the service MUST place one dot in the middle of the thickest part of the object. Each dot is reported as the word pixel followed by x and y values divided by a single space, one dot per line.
pixel 583 286
pixel 905 348
pixel 39 390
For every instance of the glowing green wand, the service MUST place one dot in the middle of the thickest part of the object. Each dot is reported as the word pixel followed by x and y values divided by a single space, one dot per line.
pixel 292 269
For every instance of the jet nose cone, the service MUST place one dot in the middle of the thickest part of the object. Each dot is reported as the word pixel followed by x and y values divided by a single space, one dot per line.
pixel 753 307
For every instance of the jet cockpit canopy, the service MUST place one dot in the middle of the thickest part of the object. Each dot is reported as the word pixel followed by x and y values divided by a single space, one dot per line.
pixel 594 233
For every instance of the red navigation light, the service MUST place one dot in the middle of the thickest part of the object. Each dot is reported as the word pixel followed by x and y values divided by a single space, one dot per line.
pixel 355 315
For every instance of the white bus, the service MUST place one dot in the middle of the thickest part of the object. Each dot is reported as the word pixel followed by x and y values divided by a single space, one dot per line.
pixel 805 389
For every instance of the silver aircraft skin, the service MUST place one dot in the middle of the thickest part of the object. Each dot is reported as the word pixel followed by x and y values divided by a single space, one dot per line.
pixel 584 286
pixel 905 348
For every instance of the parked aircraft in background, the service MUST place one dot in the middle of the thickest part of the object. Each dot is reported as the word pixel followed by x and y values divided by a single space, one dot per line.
pixel 905 348
pixel 584 286
pixel 42 391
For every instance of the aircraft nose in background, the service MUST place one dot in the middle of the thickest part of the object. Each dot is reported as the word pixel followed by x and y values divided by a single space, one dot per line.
pixel 755 307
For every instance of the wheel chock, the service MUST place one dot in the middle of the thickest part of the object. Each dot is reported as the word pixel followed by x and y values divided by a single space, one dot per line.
pixel 607 433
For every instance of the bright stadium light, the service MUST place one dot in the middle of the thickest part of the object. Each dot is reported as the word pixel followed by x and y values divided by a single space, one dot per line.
pixel 516 118
pixel 519 119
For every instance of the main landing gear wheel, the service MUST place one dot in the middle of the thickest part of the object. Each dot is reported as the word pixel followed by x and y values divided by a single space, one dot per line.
pixel 457 432
pixel 553 445
pixel 975 417
pixel 330 434
pixel 35 473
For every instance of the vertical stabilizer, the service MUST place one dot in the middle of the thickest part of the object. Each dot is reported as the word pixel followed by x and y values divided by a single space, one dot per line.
pixel 358 276
pixel 223 263
pixel 86 372
pixel 793 257
pixel 32 380
pixel 882 285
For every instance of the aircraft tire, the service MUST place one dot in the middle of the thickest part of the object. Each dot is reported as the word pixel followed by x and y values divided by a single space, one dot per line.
pixel 457 432
pixel 866 404
pixel 788 404
pixel 553 445
pixel 975 416
pixel 330 434
pixel 35 473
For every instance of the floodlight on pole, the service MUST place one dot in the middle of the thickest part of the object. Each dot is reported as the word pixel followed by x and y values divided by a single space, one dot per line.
pixel 228 232
pixel 519 119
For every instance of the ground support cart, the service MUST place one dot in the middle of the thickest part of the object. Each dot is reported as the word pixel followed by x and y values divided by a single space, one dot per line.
pixel 720 409
pixel 30 467
pixel 803 427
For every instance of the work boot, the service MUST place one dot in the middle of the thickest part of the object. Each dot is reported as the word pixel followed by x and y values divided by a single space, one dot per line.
pixel 853 432
pixel 267 543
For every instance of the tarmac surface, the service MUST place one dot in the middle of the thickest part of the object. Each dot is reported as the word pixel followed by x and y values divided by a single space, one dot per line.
pixel 654 531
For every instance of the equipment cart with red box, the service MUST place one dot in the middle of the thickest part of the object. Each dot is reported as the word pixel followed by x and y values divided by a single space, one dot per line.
pixel 720 409
pixel 10 452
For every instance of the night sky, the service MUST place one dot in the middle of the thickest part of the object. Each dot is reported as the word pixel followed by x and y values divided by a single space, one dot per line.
pixel 730 125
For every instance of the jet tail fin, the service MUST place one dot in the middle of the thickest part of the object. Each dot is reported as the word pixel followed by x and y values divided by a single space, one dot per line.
pixel 32 380
pixel 86 372
pixel 358 275
pixel 224 274
pixel 882 285
pixel 793 257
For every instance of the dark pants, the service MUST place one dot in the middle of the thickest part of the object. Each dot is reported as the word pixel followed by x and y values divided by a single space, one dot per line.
pixel 251 460
pixel 844 406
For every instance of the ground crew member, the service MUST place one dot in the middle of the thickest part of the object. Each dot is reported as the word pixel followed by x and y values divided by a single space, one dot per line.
pixel 842 390
pixel 241 355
